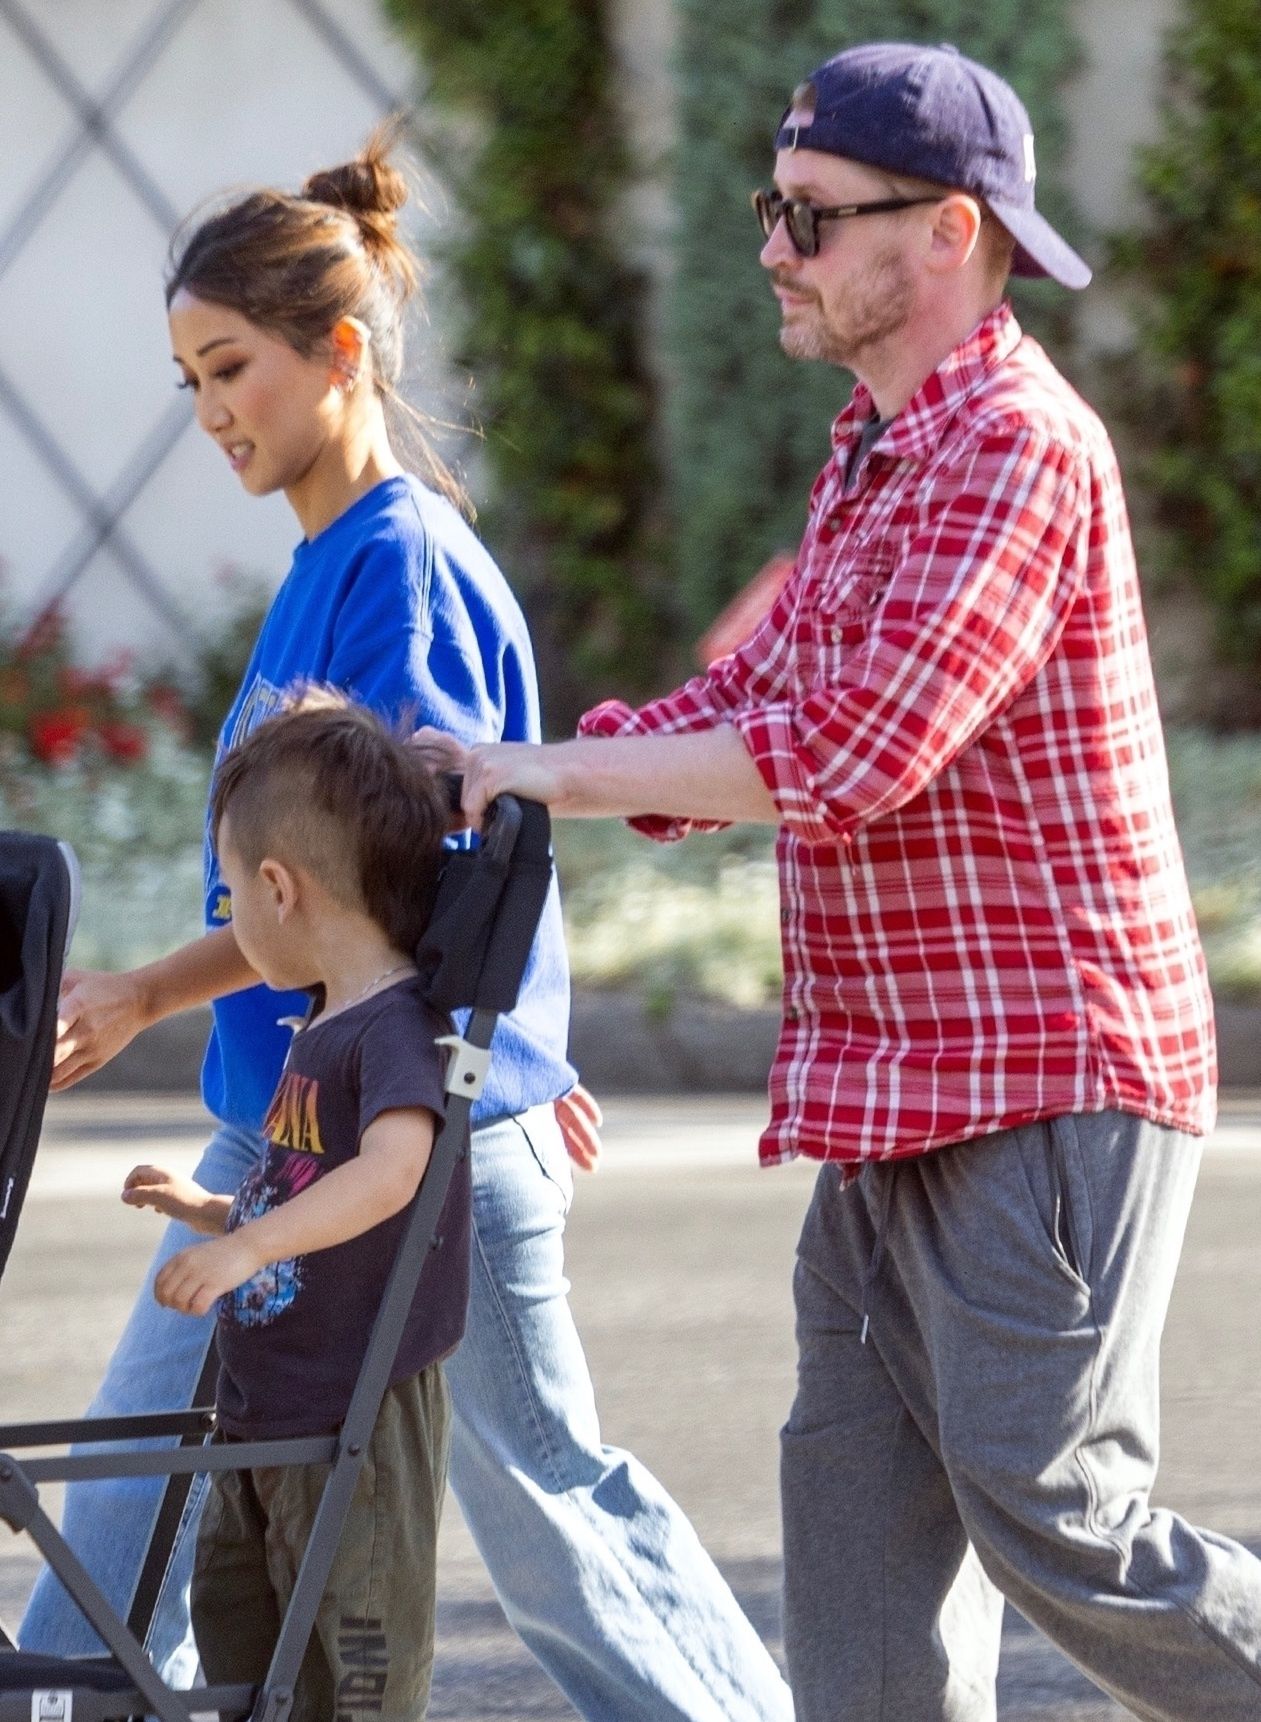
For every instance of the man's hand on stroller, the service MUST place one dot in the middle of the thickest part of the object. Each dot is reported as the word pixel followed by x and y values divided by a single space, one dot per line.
pixel 577 1113
pixel 193 1281
pixel 178 1198
pixel 526 768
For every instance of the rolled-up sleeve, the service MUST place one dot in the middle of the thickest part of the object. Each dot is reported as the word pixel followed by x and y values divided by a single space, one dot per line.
pixel 975 603
pixel 615 717
pixel 756 670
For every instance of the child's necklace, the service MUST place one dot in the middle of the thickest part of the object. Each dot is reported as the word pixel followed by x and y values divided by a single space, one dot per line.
pixel 398 969
pixel 297 1023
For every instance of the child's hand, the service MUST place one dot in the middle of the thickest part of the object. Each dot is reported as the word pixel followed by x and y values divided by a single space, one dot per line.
pixel 194 1280
pixel 178 1198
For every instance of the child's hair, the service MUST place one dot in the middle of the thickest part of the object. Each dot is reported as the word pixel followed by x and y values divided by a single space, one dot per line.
pixel 327 787
pixel 296 266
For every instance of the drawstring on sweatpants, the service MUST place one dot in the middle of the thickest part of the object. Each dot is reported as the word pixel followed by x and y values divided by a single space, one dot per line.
pixel 877 1249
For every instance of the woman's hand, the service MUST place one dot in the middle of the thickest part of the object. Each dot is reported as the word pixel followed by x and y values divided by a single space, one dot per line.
pixel 193 1281
pixel 178 1198
pixel 580 1119
pixel 100 1013
pixel 442 751
pixel 97 1016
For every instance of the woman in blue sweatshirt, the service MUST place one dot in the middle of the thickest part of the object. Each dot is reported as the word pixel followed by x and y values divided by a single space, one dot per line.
pixel 286 321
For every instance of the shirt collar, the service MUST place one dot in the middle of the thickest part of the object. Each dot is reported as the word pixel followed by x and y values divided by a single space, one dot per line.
pixel 923 421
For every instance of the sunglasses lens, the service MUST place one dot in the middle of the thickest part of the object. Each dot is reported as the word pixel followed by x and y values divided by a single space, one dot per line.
pixel 801 228
pixel 797 217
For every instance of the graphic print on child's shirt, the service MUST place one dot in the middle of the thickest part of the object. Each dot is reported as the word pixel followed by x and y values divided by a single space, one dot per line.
pixel 292 1123
pixel 273 1288
pixel 291 1338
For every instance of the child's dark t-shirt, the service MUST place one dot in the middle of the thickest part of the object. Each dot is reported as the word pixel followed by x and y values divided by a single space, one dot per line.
pixel 291 1340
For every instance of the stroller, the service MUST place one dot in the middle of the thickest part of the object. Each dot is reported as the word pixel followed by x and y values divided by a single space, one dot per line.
pixel 473 956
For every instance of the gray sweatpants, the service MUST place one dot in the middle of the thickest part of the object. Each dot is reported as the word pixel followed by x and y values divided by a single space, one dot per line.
pixel 996 1435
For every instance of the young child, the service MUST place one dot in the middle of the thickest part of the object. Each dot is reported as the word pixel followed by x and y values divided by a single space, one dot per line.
pixel 328 831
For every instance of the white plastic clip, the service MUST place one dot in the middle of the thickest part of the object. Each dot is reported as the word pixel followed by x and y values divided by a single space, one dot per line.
pixel 468 1066
pixel 52 1706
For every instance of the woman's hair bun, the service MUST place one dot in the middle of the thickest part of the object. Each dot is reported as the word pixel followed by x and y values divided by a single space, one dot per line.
pixel 372 190
pixel 367 186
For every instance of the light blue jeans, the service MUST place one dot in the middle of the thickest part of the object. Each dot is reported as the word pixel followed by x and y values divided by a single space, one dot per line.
pixel 596 1567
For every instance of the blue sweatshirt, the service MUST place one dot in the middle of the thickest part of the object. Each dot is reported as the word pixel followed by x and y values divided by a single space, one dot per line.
pixel 398 604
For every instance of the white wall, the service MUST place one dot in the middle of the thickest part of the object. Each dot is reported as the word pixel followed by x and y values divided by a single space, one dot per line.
pixel 1112 109
pixel 245 91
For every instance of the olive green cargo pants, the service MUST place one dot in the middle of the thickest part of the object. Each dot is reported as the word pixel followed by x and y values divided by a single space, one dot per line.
pixel 371 1653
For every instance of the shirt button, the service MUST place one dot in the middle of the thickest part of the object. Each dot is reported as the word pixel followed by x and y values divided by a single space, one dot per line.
pixel 785 916
pixel 836 635
pixel 792 1014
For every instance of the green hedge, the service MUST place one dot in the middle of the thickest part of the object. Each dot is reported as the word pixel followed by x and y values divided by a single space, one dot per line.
pixel 749 427
pixel 551 329
pixel 1194 391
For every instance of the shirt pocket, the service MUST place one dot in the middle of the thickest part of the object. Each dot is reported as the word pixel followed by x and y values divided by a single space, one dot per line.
pixel 840 620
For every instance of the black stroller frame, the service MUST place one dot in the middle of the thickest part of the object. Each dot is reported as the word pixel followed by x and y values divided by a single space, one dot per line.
pixel 474 953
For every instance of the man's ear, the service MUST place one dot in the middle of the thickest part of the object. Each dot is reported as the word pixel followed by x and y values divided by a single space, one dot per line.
pixel 282 883
pixel 350 340
pixel 956 232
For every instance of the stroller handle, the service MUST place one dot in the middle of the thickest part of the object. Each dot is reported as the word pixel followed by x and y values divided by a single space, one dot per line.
pixel 502 820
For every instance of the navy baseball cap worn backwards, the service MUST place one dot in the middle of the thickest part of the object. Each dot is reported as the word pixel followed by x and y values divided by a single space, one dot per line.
pixel 931 113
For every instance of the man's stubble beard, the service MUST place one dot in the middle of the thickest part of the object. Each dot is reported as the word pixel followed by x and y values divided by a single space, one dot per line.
pixel 876 307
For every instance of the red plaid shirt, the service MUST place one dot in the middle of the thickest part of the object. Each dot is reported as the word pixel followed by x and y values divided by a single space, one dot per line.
pixel 985 918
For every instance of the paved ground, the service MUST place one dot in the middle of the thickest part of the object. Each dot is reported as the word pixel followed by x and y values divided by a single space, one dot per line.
pixel 679 1255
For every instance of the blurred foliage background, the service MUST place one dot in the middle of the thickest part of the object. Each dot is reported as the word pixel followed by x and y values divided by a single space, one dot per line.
pixel 627 513
pixel 643 456
pixel 550 315
pixel 1191 387
pixel 747 434
pixel 668 921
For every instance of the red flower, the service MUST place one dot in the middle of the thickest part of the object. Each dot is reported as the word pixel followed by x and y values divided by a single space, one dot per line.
pixel 55 735
pixel 123 741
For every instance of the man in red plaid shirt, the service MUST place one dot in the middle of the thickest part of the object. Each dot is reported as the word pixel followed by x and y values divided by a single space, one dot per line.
pixel 997 1029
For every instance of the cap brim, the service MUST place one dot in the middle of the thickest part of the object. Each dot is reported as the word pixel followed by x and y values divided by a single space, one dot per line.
pixel 1039 248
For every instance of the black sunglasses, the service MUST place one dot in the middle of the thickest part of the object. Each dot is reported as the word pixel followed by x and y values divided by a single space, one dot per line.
pixel 801 219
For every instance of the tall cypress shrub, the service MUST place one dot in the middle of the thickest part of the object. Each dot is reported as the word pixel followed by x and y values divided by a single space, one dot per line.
pixel 749 426
pixel 551 327
pixel 1194 389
